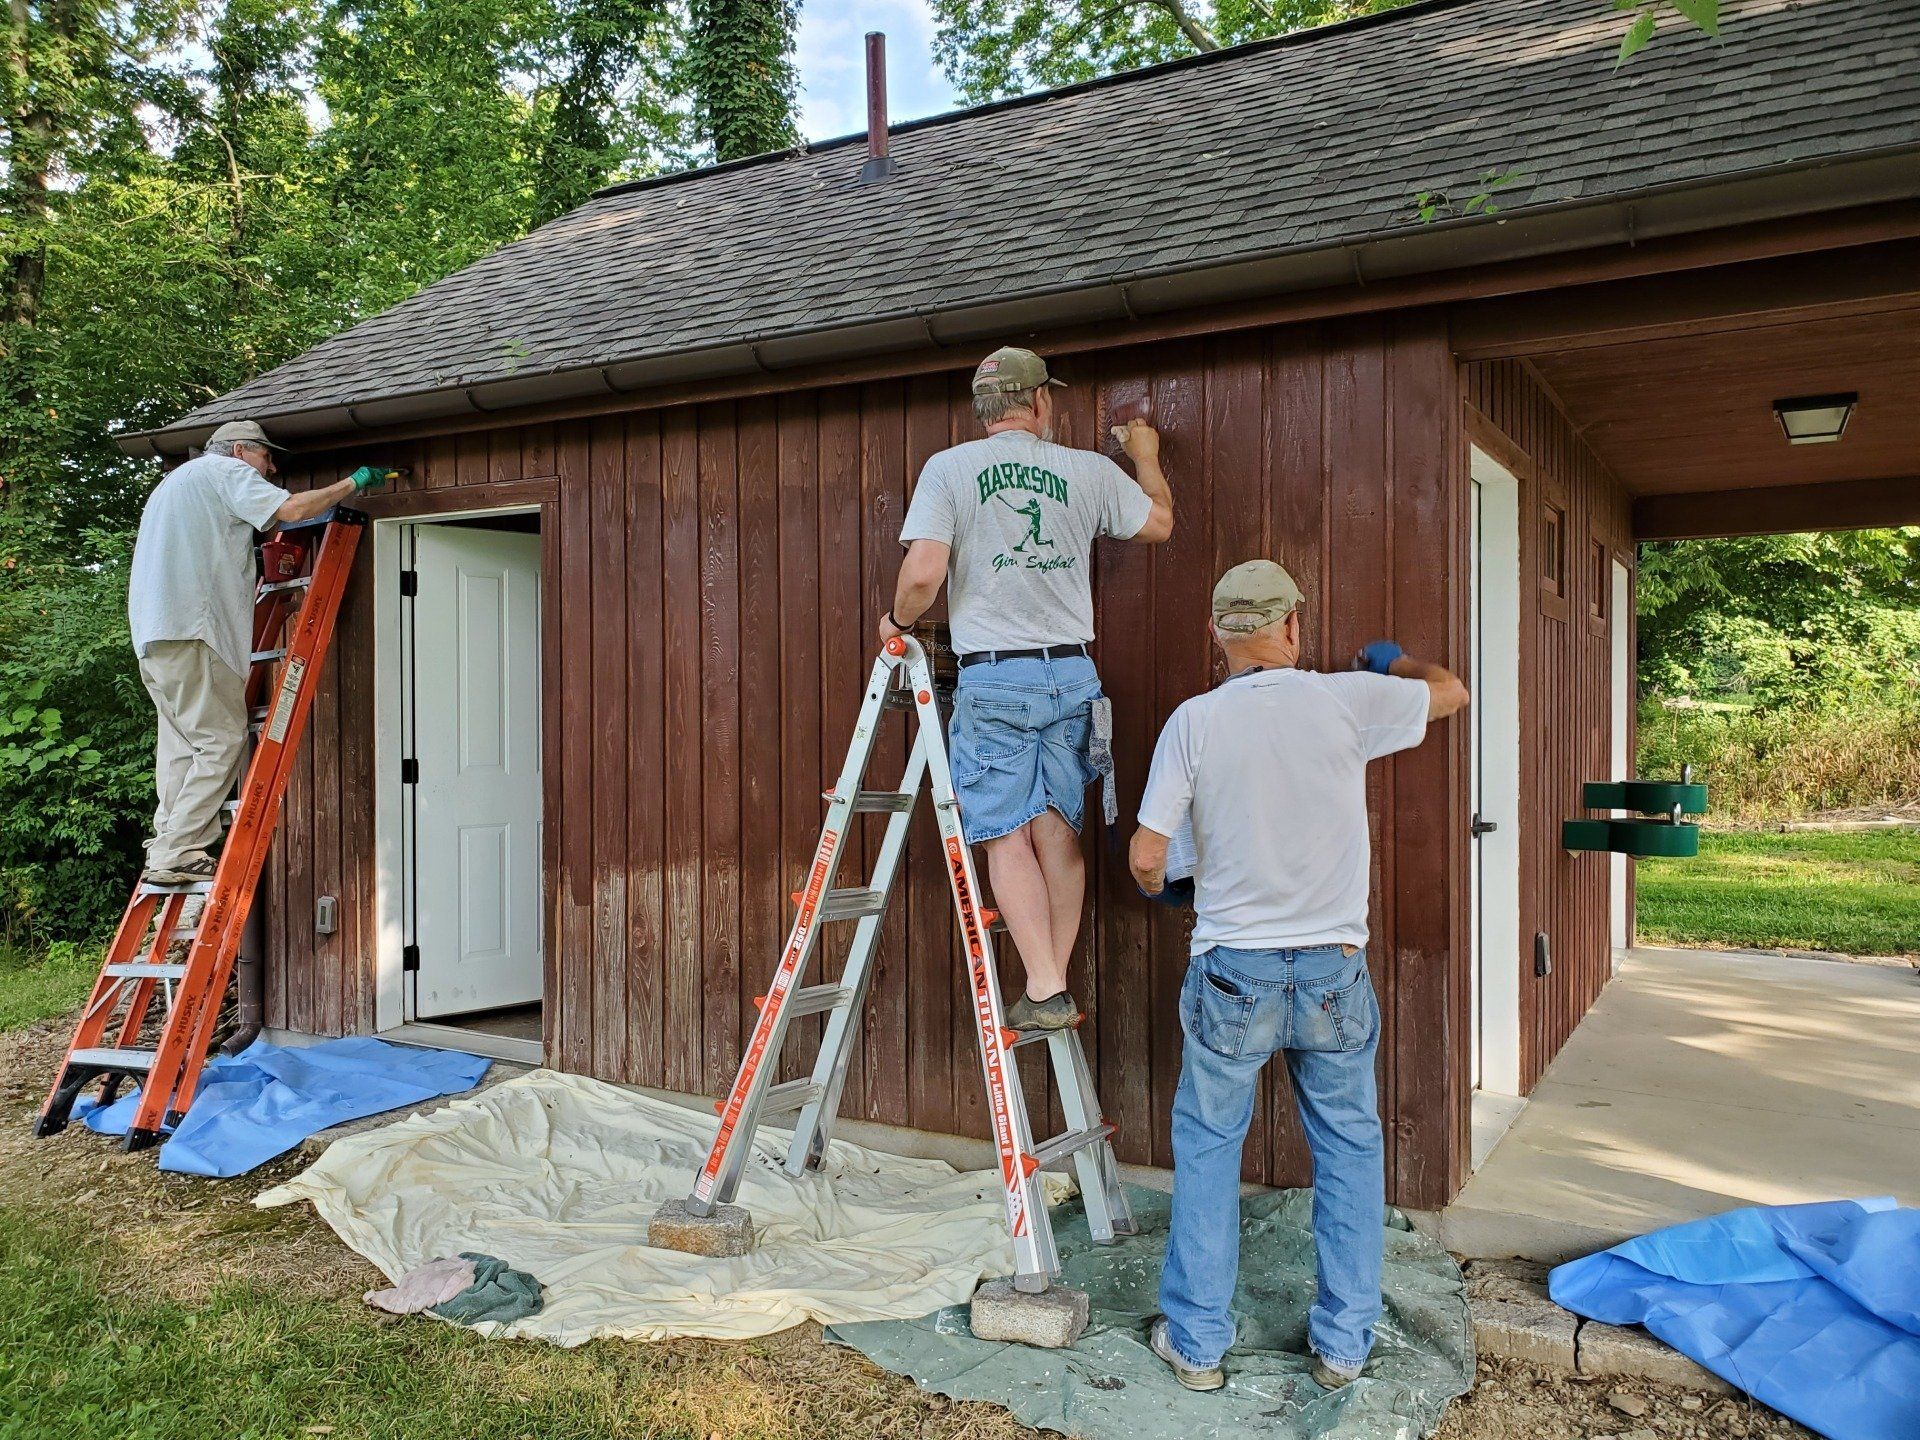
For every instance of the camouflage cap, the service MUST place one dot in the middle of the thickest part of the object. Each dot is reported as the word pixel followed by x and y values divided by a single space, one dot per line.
pixel 1009 370
pixel 1253 594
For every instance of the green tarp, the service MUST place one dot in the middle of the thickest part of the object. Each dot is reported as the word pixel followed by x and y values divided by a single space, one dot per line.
pixel 1109 1386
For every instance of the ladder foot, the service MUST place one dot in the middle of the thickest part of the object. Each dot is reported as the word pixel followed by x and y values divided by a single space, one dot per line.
pixel 1051 1319
pixel 48 1124
pixel 142 1140
pixel 727 1232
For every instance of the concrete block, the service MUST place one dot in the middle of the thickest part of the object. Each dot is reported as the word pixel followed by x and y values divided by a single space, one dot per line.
pixel 1538 1332
pixel 726 1232
pixel 1520 1282
pixel 1052 1319
pixel 1619 1350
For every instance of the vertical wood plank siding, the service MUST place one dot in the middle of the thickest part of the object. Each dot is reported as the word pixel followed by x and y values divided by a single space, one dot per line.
pixel 720 570
pixel 1565 686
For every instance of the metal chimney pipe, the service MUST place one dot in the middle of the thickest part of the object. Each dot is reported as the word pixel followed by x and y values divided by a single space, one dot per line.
pixel 879 164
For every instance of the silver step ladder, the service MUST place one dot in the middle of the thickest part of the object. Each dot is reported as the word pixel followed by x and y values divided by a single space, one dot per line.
pixel 902 679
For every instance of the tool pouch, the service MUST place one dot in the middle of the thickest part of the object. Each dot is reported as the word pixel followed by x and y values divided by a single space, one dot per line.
pixel 1100 753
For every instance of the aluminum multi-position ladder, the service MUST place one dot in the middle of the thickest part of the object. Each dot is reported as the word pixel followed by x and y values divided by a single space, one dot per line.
pixel 295 608
pixel 903 679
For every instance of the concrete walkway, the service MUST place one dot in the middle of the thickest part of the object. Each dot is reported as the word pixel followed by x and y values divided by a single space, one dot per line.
pixel 1701 1081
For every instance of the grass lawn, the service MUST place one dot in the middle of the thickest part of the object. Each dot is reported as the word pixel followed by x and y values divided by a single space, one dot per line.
pixel 34 987
pixel 1854 893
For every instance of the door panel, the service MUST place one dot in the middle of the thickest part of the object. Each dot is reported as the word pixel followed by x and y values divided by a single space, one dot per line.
pixel 476 697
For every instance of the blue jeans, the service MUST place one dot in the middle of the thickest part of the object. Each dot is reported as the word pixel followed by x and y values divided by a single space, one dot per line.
pixel 1019 742
pixel 1238 1009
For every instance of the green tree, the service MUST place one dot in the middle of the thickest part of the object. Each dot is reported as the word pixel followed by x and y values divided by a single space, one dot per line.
pixel 991 49
pixel 738 67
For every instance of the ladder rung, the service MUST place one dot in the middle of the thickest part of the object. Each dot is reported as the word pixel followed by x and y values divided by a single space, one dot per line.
pixel 299 582
pixel 1061 1146
pixel 784 1099
pixel 146 969
pixel 191 887
pixel 263 655
pixel 816 998
pixel 113 1059
pixel 852 904
pixel 879 801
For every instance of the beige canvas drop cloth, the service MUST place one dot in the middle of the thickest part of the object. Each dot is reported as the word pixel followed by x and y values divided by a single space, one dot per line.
pixel 557 1175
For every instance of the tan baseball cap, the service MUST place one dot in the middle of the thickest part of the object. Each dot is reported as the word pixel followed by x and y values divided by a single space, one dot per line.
pixel 1010 370
pixel 1252 594
pixel 243 431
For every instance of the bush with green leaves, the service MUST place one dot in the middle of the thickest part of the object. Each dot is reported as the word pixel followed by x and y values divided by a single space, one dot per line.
pixel 76 745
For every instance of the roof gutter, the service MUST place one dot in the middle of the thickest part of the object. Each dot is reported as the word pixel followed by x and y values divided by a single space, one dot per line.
pixel 1773 193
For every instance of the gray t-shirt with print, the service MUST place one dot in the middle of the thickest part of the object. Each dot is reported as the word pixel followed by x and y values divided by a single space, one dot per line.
pixel 1021 514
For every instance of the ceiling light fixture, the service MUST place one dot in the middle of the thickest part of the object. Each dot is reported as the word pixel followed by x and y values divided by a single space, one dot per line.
pixel 1814 419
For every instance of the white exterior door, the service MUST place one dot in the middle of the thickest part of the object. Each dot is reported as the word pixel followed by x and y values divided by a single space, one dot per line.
pixel 476 800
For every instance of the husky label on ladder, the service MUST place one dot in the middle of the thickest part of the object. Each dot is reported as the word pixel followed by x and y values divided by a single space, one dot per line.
pixel 991 1053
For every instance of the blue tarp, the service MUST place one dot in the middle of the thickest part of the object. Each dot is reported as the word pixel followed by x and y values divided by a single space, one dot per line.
pixel 1814 1309
pixel 252 1106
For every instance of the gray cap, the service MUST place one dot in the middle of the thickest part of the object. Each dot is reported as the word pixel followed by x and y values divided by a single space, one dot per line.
pixel 1253 594
pixel 242 431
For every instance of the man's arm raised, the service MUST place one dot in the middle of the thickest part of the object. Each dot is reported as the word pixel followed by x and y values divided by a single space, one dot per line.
pixel 1142 444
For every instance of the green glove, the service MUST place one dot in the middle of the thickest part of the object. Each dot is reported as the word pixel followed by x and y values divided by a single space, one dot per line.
pixel 371 477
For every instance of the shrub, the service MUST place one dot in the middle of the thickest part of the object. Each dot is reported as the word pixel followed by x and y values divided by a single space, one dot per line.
pixel 76 746
pixel 1778 764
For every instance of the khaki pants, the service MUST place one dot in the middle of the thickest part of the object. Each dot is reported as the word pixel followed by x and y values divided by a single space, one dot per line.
pixel 203 729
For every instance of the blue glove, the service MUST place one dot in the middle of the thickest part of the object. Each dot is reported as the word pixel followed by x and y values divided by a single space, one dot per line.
pixel 1176 894
pixel 1378 656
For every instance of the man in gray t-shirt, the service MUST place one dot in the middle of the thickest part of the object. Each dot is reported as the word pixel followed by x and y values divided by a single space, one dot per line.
pixel 1008 522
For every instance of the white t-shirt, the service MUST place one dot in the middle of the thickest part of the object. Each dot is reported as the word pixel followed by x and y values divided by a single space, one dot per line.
pixel 1021 514
pixel 1271 769
pixel 193 575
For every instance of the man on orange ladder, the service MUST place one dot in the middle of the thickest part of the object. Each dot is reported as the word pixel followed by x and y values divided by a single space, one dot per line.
pixel 1021 739
pixel 190 607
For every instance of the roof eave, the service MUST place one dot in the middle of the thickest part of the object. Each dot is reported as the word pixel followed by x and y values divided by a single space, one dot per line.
pixel 1774 193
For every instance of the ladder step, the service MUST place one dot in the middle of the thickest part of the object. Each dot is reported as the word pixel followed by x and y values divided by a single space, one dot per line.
pixel 191 887
pixel 785 1099
pixel 111 1059
pixel 299 582
pixel 852 904
pixel 1061 1146
pixel 816 998
pixel 145 970
pixel 263 655
pixel 879 801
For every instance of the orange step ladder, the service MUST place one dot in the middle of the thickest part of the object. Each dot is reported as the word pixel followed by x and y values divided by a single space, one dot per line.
pixel 295 608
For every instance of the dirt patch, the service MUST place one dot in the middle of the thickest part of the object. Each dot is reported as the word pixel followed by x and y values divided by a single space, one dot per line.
pixel 186 1236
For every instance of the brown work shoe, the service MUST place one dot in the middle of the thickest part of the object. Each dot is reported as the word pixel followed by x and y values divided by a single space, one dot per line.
pixel 188 870
pixel 1056 1012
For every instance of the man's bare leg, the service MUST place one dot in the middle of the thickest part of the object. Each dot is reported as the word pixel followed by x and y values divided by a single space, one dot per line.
pixel 1064 868
pixel 1020 894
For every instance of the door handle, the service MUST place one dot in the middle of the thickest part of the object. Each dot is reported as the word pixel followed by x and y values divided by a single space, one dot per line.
pixel 1480 827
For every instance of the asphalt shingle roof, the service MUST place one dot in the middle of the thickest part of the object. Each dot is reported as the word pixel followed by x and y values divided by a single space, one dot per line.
pixel 1310 142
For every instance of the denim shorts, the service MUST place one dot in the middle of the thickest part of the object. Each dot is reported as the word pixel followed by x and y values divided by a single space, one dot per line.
pixel 1020 742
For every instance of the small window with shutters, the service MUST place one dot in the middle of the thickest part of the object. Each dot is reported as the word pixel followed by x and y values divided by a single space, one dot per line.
pixel 1599 584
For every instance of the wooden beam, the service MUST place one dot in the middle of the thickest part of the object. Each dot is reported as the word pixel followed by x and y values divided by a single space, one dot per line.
pixel 1778 509
pixel 1868 279
pixel 493 495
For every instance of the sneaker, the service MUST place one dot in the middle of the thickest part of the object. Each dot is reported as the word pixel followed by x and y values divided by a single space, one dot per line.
pixel 189 870
pixel 1056 1012
pixel 1194 1377
pixel 1329 1376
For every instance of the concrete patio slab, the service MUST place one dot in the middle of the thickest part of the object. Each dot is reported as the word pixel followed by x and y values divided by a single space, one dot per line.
pixel 1701 1081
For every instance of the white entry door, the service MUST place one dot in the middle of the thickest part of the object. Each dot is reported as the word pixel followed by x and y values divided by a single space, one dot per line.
pixel 1494 778
pixel 476 799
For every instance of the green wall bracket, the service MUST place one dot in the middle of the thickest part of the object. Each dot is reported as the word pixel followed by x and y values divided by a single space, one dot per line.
pixel 1644 797
pixel 1668 835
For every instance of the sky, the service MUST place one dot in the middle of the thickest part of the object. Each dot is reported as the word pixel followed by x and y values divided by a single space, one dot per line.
pixel 832 58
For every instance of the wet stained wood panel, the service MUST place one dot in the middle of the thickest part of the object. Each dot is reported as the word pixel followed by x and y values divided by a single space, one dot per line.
pixel 720 572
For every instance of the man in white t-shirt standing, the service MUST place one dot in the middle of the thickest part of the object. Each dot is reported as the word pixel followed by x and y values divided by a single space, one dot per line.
pixel 190 607
pixel 1269 768
pixel 1009 523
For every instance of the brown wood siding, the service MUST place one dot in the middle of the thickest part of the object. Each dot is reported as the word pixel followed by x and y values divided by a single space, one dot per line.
pixel 1565 692
pixel 715 574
